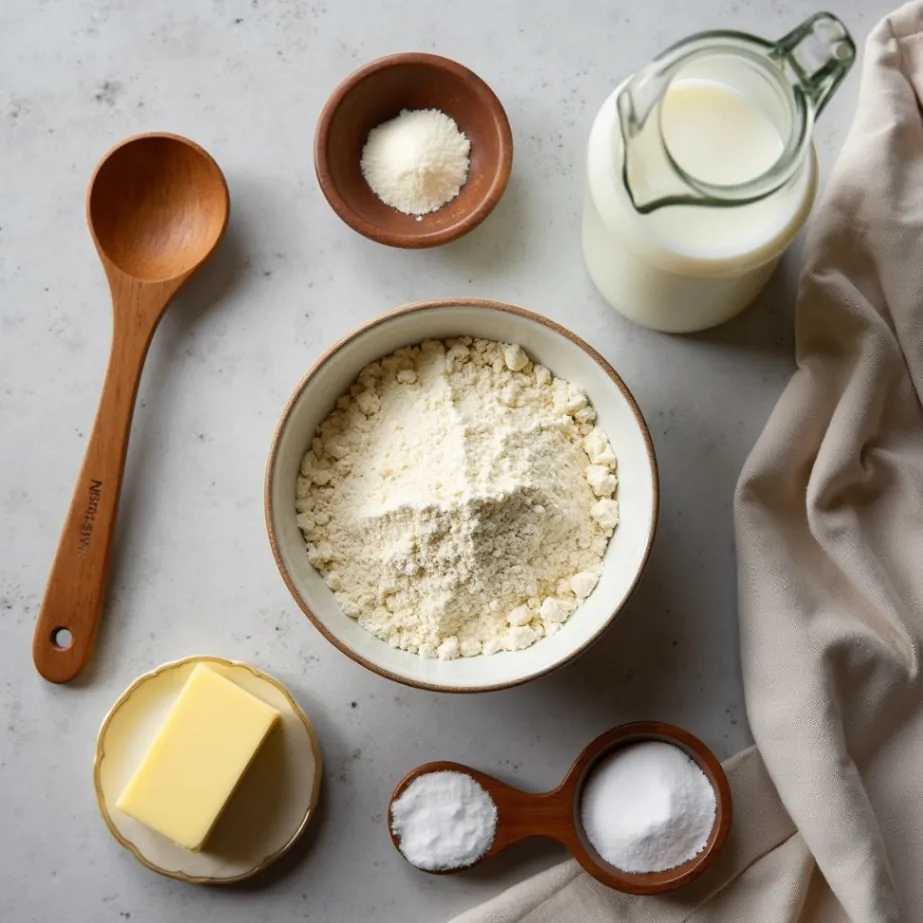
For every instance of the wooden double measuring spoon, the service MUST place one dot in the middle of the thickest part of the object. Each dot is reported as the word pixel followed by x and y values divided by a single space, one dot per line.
pixel 157 207
pixel 556 814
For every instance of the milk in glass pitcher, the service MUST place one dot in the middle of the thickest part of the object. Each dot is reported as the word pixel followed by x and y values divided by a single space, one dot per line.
pixel 701 171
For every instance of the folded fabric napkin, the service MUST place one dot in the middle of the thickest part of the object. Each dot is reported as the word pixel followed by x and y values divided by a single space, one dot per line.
pixel 829 511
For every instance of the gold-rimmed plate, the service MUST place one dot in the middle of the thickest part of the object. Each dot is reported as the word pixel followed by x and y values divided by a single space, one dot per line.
pixel 269 811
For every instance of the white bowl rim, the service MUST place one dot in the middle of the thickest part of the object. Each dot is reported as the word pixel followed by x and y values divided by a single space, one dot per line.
pixel 421 306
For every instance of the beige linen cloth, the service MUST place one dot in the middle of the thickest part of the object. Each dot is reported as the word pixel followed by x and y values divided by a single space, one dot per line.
pixel 829 510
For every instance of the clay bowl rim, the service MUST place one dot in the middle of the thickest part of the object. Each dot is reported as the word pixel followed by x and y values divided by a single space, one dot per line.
pixel 423 306
pixel 423 239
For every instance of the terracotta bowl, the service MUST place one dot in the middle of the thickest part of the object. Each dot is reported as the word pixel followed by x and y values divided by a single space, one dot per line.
pixel 378 92
pixel 566 355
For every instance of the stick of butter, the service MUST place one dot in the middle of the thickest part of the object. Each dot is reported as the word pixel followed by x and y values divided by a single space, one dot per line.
pixel 197 759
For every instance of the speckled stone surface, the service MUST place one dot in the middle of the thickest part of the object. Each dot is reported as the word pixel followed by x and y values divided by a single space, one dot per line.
pixel 193 572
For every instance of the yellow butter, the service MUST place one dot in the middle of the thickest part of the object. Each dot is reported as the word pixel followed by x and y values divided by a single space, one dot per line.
pixel 199 756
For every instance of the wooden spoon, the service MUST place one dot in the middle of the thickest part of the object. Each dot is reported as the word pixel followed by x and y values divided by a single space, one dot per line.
pixel 157 207
pixel 556 814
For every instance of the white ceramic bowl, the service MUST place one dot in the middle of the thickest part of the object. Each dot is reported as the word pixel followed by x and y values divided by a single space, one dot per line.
pixel 567 356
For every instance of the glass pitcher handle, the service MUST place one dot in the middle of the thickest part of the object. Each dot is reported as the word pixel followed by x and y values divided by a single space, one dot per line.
pixel 819 54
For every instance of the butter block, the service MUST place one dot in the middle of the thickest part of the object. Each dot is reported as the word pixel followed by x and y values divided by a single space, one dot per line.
pixel 197 759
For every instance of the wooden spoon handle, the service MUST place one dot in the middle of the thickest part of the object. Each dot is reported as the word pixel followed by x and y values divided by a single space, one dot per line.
pixel 522 815
pixel 74 595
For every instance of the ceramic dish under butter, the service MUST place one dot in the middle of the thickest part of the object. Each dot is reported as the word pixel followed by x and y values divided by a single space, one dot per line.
pixel 269 811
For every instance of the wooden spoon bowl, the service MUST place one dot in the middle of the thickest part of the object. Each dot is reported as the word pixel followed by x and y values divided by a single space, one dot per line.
pixel 157 206
pixel 556 814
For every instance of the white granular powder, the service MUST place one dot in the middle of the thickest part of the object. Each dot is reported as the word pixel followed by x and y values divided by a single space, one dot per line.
pixel 459 500
pixel 445 820
pixel 417 162
pixel 648 808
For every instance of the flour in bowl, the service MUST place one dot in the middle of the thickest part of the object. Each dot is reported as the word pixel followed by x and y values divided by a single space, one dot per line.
pixel 459 499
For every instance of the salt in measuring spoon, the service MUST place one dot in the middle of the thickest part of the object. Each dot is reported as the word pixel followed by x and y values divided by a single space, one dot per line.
pixel 556 814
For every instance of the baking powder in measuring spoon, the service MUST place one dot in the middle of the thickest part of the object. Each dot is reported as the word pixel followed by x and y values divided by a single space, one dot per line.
pixel 648 807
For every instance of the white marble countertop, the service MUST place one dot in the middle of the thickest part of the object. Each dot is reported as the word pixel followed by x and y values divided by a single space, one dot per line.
pixel 192 572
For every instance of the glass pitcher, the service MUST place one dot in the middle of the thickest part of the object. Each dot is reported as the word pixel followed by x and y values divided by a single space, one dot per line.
pixel 701 171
